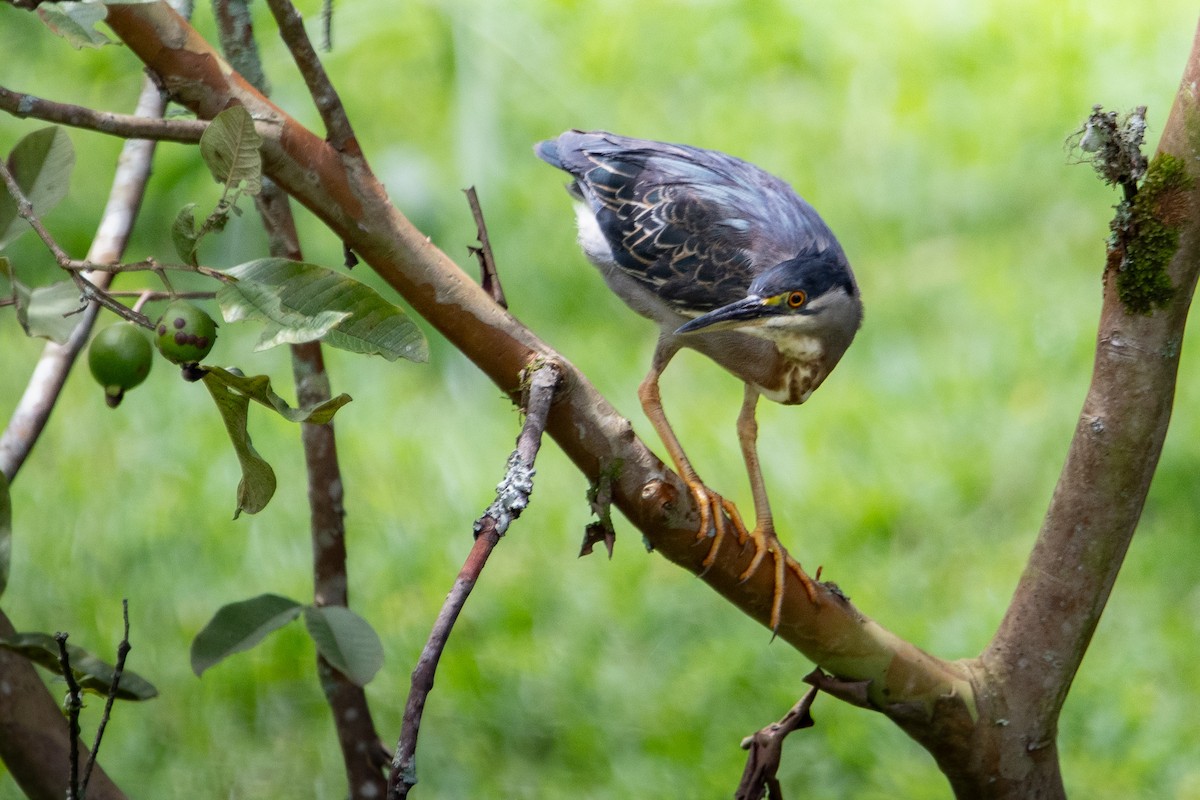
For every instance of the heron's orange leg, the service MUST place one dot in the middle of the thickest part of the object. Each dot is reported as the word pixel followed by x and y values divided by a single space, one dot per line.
pixel 713 507
pixel 763 535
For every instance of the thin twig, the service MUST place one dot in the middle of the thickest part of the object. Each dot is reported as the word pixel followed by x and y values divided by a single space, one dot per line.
pixel 512 496
pixel 766 751
pixel 25 211
pixel 236 33
pixel 74 704
pixel 327 25
pixel 489 277
pixel 338 130
pixel 151 296
pixel 125 126
pixel 146 265
pixel 89 291
pixel 122 651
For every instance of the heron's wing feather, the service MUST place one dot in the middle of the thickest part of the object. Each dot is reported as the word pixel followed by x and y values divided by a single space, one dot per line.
pixel 695 225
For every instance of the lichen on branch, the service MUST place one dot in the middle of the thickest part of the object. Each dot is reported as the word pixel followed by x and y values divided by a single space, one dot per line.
pixel 1146 235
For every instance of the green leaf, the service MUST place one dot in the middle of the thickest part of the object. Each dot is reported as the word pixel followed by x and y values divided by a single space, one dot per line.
pixel 258 388
pixel 257 485
pixel 41 162
pixel 5 533
pixel 75 22
pixel 18 291
pixel 248 299
pixel 92 674
pixel 184 235
pixel 230 146
pixel 346 640
pixel 42 311
pixel 240 626
pixel 46 309
pixel 299 300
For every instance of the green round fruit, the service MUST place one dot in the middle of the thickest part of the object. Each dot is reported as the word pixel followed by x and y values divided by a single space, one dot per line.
pixel 120 358
pixel 184 333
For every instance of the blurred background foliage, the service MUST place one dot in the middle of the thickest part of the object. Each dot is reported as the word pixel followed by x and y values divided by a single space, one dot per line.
pixel 929 133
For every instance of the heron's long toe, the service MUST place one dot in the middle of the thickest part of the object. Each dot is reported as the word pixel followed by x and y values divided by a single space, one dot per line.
pixel 765 541
pixel 713 523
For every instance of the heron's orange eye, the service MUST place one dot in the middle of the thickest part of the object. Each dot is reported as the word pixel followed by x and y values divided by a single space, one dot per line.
pixel 796 299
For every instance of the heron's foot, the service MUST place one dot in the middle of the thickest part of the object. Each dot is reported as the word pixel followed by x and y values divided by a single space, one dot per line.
pixel 765 541
pixel 713 523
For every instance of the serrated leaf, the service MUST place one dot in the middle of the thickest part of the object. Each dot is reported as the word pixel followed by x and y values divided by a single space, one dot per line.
pixel 91 673
pixel 184 235
pixel 76 22
pixel 346 640
pixel 230 147
pixel 46 309
pixel 41 163
pixel 5 533
pixel 239 626
pixel 257 485
pixel 371 324
pixel 258 388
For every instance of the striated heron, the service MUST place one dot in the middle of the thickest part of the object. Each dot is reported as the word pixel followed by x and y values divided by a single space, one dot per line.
pixel 729 261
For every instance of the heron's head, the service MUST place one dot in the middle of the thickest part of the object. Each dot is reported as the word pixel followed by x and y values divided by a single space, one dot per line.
pixel 808 296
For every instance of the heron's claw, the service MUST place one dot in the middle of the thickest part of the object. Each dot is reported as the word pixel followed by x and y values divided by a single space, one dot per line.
pixel 765 541
pixel 713 512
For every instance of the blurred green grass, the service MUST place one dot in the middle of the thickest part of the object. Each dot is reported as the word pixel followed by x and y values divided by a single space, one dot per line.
pixel 929 134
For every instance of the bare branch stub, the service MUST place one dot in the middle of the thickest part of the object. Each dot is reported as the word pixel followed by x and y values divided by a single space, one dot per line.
pixel 489 275
pixel 1113 145
pixel 766 751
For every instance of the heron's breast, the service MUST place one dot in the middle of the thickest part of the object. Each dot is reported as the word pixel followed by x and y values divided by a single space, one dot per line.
pixel 797 370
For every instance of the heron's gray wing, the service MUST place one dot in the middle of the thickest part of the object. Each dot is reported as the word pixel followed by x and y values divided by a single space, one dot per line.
pixel 694 225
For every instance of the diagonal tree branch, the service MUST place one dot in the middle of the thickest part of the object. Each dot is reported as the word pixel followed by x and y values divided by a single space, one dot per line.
pixel 342 192
pixel 1112 458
